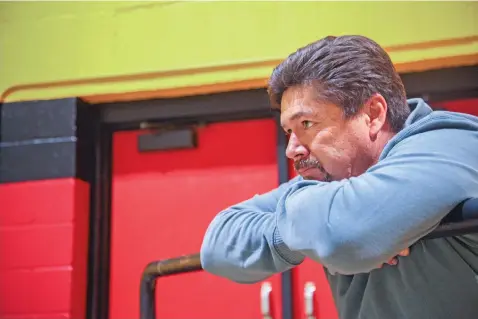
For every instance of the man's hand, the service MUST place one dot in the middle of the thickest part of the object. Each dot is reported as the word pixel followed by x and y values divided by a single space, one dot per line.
pixel 394 260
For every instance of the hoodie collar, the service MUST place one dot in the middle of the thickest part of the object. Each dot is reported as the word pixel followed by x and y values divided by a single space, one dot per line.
pixel 419 108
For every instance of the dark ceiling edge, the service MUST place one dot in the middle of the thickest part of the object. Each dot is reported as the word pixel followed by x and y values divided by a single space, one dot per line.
pixel 432 85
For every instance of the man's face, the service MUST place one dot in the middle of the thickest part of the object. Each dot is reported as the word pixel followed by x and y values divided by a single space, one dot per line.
pixel 322 143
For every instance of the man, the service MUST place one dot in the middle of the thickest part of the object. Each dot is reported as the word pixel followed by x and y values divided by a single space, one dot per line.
pixel 377 173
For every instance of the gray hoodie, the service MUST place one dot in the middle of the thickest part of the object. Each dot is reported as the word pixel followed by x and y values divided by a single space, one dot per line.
pixel 353 225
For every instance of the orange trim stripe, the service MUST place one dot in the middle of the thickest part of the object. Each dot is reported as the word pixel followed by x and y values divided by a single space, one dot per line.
pixel 418 66
pixel 432 44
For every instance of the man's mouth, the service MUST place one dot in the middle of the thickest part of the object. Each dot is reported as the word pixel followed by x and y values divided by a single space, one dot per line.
pixel 311 169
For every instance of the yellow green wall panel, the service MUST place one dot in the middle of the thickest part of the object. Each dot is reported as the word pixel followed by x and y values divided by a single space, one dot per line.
pixel 81 48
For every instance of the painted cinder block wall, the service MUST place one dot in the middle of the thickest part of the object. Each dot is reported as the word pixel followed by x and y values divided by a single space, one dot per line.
pixel 43 239
pixel 44 209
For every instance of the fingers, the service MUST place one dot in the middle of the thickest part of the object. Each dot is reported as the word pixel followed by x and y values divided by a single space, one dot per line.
pixel 391 262
pixel 394 261
pixel 404 252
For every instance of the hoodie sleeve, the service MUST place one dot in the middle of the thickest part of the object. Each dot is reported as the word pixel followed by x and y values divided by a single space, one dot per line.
pixel 242 243
pixel 348 226
pixel 354 225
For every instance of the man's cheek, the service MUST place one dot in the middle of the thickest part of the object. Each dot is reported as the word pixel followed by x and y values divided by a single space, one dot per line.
pixel 326 136
pixel 336 161
pixel 324 145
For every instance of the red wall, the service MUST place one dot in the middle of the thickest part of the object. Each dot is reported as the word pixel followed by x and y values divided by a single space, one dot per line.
pixel 469 106
pixel 43 247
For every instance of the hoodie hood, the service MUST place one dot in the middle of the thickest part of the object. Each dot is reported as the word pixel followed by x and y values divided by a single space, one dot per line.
pixel 423 119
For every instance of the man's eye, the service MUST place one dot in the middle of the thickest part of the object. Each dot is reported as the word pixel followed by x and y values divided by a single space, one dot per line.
pixel 306 124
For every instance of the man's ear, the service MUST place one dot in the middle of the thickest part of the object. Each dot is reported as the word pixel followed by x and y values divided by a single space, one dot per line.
pixel 376 110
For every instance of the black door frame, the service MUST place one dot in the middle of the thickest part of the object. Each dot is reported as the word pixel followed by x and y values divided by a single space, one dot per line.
pixel 434 86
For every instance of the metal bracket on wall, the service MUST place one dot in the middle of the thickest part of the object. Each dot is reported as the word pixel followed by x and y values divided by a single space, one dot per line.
pixel 168 136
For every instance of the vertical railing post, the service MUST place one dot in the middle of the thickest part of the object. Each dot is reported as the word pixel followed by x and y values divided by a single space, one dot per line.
pixel 157 269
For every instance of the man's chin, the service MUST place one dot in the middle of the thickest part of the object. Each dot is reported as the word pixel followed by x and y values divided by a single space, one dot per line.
pixel 314 175
pixel 313 178
pixel 310 178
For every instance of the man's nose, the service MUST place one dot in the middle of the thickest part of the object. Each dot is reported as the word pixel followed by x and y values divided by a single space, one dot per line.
pixel 295 150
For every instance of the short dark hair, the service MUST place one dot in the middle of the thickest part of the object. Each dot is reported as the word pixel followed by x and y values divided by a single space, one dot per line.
pixel 346 70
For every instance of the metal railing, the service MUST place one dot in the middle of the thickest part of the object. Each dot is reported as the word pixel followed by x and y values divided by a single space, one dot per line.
pixel 162 268
pixel 462 220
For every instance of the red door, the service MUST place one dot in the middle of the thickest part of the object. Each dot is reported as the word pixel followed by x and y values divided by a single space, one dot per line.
pixel 162 203
pixel 314 296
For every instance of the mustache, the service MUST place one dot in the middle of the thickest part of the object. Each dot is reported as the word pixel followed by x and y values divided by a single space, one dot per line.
pixel 308 163
pixel 311 163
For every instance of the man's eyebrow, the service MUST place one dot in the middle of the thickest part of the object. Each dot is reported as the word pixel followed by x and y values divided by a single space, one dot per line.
pixel 297 115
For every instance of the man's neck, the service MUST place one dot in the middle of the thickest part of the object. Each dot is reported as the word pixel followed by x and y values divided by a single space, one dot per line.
pixel 382 139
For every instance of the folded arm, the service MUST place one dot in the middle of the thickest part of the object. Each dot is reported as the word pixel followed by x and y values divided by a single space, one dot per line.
pixel 350 226
pixel 241 242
